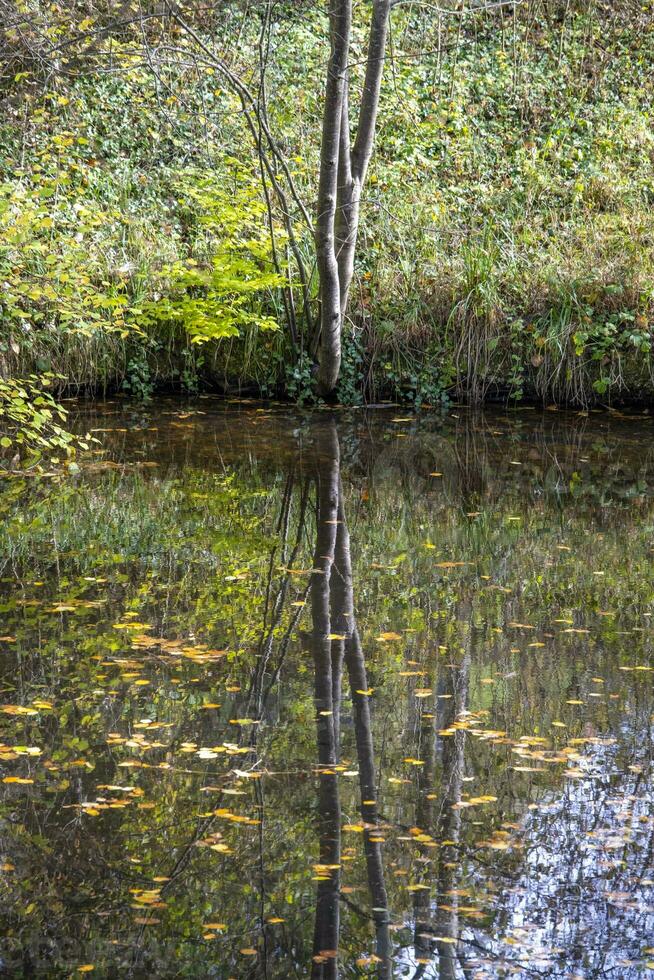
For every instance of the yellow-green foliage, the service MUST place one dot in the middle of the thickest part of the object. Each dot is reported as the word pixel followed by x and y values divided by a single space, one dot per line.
pixel 32 423
pixel 93 244
pixel 217 297
pixel 507 239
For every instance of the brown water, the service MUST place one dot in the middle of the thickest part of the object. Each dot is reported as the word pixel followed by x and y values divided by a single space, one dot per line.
pixel 330 695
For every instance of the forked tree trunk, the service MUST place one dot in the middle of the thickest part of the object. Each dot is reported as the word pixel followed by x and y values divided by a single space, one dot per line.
pixel 343 170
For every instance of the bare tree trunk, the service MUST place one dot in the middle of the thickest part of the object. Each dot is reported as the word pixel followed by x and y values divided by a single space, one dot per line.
pixel 340 25
pixel 359 159
pixel 342 176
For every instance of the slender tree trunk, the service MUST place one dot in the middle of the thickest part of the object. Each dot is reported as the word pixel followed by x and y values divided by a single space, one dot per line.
pixel 347 210
pixel 343 171
pixel 340 25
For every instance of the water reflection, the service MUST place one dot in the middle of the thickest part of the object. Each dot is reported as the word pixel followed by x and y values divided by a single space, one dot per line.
pixel 437 930
pixel 336 641
pixel 330 696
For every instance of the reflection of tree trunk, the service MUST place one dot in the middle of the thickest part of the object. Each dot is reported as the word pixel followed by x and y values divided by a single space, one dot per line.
pixel 365 752
pixel 335 636
pixel 326 930
pixel 434 933
pixel 327 923
pixel 453 768
pixel 453 760
pixel 423 941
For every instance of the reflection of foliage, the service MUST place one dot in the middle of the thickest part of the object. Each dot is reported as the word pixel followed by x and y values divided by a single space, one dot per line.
pixel 158 688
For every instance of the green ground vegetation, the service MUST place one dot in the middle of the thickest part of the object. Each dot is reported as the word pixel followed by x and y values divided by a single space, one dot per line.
pixel 507 241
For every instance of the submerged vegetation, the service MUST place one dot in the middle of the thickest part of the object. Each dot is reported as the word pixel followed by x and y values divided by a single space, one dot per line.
pixel 505 246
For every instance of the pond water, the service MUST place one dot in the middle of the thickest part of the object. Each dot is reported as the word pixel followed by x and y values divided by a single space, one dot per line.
pixel 333 695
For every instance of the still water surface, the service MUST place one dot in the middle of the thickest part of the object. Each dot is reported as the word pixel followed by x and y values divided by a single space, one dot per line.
pixel 330 695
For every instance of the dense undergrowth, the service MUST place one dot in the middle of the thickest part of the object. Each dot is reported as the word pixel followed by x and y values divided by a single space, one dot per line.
pixel 508 238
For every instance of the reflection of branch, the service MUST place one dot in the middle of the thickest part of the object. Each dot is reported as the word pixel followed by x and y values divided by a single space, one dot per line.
pixel 267 638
